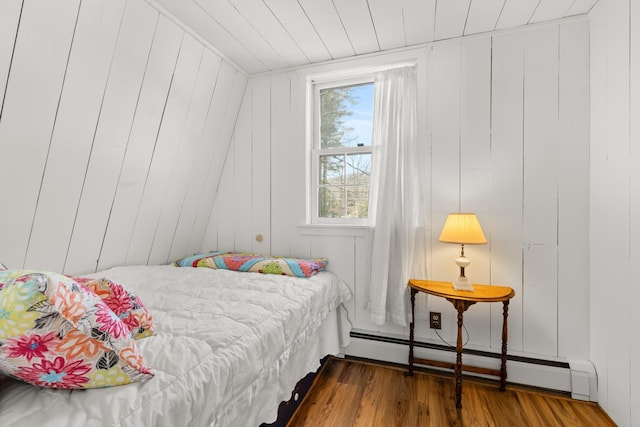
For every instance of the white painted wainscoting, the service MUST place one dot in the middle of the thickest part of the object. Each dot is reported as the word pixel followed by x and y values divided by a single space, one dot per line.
pixel 114 125
pixel 506 119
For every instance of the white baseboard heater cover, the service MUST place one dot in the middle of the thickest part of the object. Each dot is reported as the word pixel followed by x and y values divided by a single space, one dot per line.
pixel 574 376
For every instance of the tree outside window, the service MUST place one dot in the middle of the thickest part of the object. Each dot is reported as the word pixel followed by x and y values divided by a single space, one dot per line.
pixel 343 151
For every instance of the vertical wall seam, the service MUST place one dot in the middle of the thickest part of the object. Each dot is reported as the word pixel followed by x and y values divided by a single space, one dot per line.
pixel 460 118
pixel 629 144
pixel 226 155
pixel 522 214
pixel 93 139
pixel 53 128
pixel 558 143
pixel 155 143
pixel 124 156
pixel 630 188
pixel 270 164
pixel 178 145
pixel 13 51
pixel 202 133
pixel 491 157
pixel 252 147
pixel 214 200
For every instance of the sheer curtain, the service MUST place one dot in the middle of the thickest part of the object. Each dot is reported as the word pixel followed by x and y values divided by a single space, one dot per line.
pixel 399 237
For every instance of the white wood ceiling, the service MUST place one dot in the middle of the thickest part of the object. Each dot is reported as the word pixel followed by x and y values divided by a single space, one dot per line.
pixel 266 35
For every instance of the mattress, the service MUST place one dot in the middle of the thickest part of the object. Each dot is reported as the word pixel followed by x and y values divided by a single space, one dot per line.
pixel 229 347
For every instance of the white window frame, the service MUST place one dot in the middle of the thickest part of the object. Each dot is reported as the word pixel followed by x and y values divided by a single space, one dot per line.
pixel 316 151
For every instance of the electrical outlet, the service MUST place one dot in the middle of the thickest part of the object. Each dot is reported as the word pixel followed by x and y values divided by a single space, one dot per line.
pixel 435 320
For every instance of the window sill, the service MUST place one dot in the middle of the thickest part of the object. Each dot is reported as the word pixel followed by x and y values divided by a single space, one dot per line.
pixel 334 230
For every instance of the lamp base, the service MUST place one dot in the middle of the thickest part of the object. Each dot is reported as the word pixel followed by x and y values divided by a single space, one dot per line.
pixel 462 284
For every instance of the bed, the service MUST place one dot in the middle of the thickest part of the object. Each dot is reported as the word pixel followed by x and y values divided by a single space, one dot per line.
pixel 228 348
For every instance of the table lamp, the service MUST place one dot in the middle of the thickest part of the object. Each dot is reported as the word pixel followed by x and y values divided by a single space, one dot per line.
pixel 464 229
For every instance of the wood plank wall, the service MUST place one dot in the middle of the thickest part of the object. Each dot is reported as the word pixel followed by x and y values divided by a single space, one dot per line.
pixel 615 206
pixel 114 124
pixel 506 118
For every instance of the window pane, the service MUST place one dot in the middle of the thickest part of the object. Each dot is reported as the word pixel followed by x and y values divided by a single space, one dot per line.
pixel 332 170
pixel 358 201
pixel 346 116
pixel 358 168
pixel 331 202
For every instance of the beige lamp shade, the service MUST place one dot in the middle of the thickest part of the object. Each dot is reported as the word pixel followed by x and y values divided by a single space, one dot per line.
pixel 462 228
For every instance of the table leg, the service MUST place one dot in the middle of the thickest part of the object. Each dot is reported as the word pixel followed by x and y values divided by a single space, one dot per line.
pixel 503 364
pixel 411 326
pixel 461 308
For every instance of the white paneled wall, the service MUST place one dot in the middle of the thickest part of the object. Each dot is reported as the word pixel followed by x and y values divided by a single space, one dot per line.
pixel 615 206
pixel 35 77
pixel 113 128
pixel 505 117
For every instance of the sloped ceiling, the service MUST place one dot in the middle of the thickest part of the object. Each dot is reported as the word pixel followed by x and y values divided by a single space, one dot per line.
pixel 266 35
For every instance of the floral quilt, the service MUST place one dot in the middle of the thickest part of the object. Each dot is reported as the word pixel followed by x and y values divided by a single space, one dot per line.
pixel 228 348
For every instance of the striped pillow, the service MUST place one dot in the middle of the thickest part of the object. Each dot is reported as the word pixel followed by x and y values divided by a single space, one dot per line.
pixel 253 263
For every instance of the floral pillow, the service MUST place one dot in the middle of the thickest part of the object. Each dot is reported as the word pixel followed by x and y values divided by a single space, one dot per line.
pixel 247 262
pixel 56 333
pixel 125 304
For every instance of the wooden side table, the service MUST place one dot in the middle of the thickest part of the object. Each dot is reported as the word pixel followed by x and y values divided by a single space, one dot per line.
pixel 462 300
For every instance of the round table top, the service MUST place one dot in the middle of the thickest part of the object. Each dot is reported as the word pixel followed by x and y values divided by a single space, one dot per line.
pixel 480 293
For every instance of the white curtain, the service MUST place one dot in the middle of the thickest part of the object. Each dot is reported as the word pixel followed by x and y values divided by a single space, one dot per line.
pixel 399 237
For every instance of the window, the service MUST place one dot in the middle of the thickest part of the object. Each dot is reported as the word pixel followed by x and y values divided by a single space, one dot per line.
pixel 341 154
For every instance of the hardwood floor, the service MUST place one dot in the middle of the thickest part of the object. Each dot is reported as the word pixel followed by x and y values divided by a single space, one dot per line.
pixel 354 393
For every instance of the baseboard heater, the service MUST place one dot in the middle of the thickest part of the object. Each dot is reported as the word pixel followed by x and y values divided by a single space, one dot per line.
pixel 576 377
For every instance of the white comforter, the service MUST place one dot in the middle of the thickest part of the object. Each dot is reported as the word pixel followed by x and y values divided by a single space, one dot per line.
pixel 229 347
